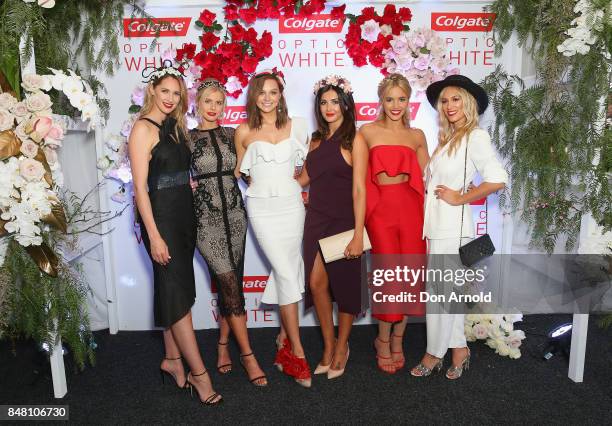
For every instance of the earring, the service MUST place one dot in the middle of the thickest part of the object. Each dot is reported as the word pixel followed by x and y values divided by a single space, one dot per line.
pixel 280 109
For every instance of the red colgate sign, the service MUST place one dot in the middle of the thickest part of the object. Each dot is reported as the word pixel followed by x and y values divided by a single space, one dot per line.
pixel 162 27
pixel 368 111
pixel 310 25
pixel 234 115
pixel 250 284
pixel 460 21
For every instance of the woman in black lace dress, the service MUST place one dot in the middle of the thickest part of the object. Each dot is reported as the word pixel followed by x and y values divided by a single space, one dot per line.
pixel 222 222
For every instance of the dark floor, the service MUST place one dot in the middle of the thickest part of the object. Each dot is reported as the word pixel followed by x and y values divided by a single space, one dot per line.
pixel 124 386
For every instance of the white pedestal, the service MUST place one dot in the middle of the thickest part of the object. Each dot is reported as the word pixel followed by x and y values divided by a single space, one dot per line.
pixel 578 350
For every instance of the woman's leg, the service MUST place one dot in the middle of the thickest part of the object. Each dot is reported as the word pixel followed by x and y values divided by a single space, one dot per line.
pixel 224 361
pixel 291 323
pixel 239 328
pixel 397 340
pixel 321 296
pixel 184 336
pixel 172 362
pixel 345 324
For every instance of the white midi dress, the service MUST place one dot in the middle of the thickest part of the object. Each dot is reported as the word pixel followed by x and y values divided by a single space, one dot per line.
pixel 276 211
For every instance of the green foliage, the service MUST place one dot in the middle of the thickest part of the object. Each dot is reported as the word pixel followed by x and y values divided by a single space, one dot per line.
pixel 63 36
pixel 42 307
pixel 553 133
pixel 605 321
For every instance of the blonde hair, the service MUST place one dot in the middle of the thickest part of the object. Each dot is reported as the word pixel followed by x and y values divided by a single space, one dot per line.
pixel 448 134
pixel 388 83
pixel 205 91
pixel 178 113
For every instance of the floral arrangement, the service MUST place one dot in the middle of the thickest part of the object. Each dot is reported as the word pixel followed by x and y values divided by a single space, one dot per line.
pixel 581 35
pixel 333 80
pixel 498 332
pixel 29 169
pixel 420 56
pixel 369 34
pixel 249 11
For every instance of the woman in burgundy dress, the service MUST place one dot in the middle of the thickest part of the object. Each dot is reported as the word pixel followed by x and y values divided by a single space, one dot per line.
pixel 338 155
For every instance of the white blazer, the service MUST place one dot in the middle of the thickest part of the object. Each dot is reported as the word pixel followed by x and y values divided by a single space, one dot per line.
pixel 441 219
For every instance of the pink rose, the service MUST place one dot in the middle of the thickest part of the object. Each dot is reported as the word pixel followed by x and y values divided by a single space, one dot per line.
pixel 7 120
pixel 50 155
pixel 480 331
pixel 20 111
pixel 138 95
pixel 55 136
pixel 29 148
pixel 39 128
pixel 422 62
pixel 38 101
pixel 31 170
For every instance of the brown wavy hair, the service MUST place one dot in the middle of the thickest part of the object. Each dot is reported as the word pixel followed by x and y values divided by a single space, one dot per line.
pixel 179 112
pixel 388 83
pixel 253 114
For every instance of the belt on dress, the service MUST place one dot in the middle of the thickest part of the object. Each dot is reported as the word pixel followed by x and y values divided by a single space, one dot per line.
pixel 168 180
pixel 213 174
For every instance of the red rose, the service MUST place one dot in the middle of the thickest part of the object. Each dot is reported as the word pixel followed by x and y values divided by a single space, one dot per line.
pixel 405 14
pixel 188 51
pixel 376 58
pixel 231 12
pixel 200 58
pixel 249 64
pixel 389 11
pixel 396 27
pixel 265 9
pixel 306 10
pixel 207 17
pixel 338 12
pixel 209 40
pixel 229 50
pixel 250 36
pixel 249 16
pixel 237 31
pixel 368 13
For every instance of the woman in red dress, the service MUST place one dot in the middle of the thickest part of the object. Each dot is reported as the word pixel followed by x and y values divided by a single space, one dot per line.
pixel 394 209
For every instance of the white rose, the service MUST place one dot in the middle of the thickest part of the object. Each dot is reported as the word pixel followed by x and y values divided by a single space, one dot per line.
pixel 29 148
pixel 7 101
pixel 38 102
pixel 480 331
pixel 7 120
pixel 502 349
pixel 103 163
pixel 31 170
pixel 35 82
pixel 20 111
pixel 50 155
pixel 113 142
pixel 514 353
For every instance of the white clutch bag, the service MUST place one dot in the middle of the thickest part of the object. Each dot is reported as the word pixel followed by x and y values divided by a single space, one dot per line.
pixel 333 247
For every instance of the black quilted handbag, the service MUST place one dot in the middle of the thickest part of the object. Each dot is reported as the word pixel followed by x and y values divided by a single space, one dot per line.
pixel 481 247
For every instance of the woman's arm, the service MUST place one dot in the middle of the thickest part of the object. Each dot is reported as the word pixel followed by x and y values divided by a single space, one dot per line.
pixel 140 145
pixel 239 137
pixel 421 151
pixel 359 156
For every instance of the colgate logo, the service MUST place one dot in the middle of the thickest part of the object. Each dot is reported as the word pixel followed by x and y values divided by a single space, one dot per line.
pixel 234 115
pixel 311 25
pixel 456 21
pixel 250 284
pixel 164 27
pixel 368 111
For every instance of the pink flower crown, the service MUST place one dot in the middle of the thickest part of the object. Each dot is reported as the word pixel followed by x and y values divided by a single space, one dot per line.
pixel 275 72
pixel 334 80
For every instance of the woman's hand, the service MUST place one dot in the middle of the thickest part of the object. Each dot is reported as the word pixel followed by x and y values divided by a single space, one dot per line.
pixel 354 249
pixel 450 196
pixel 193 184
pixel 159 251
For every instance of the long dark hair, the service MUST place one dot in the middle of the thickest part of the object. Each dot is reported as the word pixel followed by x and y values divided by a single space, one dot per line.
pixel 347 130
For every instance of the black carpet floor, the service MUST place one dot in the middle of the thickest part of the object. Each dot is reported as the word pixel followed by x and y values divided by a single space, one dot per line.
pixel 124 386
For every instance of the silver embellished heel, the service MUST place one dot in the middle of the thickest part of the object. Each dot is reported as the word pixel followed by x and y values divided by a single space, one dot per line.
pixel 453 373
pixel 422 371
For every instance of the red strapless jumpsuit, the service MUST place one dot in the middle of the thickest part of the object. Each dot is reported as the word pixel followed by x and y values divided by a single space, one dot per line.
pixel 394 221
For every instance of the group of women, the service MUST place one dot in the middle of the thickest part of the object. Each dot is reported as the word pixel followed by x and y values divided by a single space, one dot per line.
pixel 187 194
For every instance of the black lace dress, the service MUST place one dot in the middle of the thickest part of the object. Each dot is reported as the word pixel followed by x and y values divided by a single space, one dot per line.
pixel 172 207
pixel 220 213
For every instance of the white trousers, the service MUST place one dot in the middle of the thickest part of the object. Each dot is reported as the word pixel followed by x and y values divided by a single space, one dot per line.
pixel 444 331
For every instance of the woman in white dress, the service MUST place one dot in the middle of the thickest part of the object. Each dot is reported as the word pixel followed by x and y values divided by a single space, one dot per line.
pixel 270 145
pixel 459 102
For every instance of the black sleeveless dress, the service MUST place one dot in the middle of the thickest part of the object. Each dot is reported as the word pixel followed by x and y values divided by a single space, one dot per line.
pixel 172 206
pixel 222 220
pixel 330 212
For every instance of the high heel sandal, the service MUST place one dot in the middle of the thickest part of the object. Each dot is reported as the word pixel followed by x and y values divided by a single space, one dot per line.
pixel 332 373
pixel 298 369
pixel 283 349
pixel 422 371
pixel 212 399
pixel 391 367
pixel 221 368
pixel 400 363
pixel 163 373
pixel 454 372
pixel 255 380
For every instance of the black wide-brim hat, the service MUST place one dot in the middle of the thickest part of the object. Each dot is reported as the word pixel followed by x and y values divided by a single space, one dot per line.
pixel 434 90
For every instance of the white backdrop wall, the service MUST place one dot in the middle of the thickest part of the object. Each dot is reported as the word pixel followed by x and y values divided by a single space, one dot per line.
pixel 304 57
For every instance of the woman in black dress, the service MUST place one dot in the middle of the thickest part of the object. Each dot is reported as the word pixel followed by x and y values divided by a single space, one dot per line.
pixel 222 222
pixel 335 169
pixel 160 161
